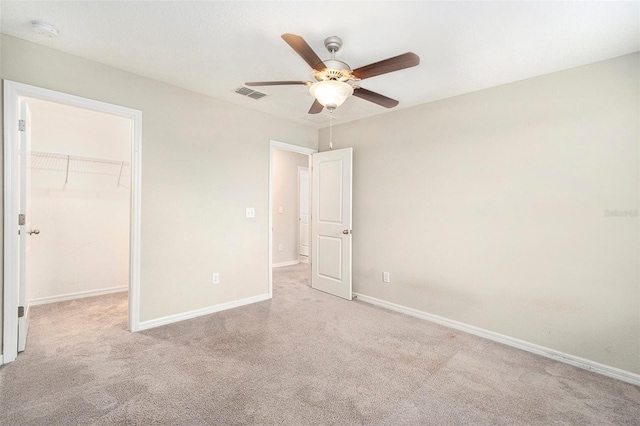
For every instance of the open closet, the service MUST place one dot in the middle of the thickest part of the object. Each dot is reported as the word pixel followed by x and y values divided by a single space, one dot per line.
pixel 80 175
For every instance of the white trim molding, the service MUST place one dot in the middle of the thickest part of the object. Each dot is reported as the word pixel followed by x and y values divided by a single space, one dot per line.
pixel 281 264
pixel 145 325
pixel 596 367
pixel 76 295
pixel 13 92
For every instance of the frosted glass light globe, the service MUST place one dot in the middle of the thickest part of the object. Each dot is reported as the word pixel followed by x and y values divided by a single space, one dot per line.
pixel 331 93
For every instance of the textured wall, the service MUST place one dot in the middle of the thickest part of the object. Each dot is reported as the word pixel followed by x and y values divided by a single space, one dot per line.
pixel 491 209
pixel 2 200
pixel 203 162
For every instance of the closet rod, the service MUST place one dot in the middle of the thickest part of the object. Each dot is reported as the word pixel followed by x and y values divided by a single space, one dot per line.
pixel 77 158
pixel 66 163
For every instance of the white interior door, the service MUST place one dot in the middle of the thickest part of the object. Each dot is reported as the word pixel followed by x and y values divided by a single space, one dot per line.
pixel 331 222
pixel 303 210
pixel 24 223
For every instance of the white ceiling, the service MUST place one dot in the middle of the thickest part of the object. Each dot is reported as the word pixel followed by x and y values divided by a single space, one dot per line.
pixel 213 47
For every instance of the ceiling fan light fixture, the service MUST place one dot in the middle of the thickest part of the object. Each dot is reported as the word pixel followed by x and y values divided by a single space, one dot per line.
pixel 331 94
pixel 336 80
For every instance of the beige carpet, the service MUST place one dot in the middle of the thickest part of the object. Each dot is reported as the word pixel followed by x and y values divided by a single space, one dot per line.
pixel 303 358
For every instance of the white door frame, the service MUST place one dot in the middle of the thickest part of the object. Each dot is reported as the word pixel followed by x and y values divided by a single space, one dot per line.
pixel 13 91
pixel 286 147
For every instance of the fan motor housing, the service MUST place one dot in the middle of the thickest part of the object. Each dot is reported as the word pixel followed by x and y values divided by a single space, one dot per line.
pixel 336 70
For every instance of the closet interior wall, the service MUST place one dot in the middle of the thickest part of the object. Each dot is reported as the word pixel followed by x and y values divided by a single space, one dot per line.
pixel 80 197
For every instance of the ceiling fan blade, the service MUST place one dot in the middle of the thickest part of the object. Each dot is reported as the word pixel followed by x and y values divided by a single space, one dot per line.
pixel 374 97
pixel 277 83
pixel 301 47
pixel 316 107
pixel 400 62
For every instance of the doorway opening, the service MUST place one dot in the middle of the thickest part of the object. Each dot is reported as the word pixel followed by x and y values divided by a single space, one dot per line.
pixel 72 181
pixel 329 247
pixel 80 173
pixel 304 203
pixel 289 210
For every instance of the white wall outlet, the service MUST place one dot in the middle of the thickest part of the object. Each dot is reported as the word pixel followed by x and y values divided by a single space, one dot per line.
pixel 280 209
pixel 216 278
pixel 280 247
pixel 251 212
pixel 386 277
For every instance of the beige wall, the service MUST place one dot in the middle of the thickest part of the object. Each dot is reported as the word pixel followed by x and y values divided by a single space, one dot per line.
pixel 203 162
pixel 285 195
pixel 489 209
pixel 1 198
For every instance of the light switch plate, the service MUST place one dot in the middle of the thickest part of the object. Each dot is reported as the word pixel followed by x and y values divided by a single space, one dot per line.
pixel 280 209
pixel 251 212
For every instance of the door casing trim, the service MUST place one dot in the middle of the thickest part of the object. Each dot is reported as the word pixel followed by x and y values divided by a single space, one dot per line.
pixel 13 91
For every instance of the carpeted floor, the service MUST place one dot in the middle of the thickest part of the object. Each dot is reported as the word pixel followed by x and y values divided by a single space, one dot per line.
pixel 303 358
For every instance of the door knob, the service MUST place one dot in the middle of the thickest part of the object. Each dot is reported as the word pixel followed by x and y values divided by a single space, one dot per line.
pixel 33 231
pixel 346 232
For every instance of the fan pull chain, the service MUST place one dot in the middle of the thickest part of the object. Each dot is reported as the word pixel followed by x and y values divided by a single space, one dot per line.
pixel 330 129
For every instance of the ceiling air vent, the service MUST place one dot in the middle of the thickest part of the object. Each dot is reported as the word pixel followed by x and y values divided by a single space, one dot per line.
pixel 250 93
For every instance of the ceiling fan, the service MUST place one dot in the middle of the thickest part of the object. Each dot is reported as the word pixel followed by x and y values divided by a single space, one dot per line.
pixel 336 81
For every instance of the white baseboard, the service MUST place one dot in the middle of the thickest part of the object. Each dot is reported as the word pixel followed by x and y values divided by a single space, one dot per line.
pixel 1 360
pixel 281 264
pixel 77 295
pixel 596 367
pixel 304 259
pixel 145 325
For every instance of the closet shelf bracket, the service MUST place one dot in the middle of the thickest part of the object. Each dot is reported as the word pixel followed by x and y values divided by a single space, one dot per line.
pixel 66 178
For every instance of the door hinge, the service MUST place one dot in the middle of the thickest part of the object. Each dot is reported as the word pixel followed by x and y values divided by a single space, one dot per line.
pixel 20 311
pixel 21 219
pixel 21 125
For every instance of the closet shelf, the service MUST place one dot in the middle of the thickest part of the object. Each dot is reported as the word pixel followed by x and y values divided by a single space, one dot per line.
pixel 52 161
